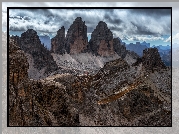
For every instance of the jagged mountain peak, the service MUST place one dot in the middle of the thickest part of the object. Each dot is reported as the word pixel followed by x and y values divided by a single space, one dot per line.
pixel 31 31
pixel 78 19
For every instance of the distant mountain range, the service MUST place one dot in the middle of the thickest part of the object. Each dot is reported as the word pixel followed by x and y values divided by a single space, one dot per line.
pixel 164 51
pixel 160 47
pixel 138 47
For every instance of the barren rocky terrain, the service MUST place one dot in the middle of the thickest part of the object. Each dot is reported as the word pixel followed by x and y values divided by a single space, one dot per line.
pixel 80 83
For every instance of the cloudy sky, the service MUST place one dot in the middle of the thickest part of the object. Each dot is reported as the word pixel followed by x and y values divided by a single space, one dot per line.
pixel 131 25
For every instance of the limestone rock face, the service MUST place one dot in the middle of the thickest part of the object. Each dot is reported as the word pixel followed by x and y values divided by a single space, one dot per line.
pixel 16 40
pixel 57 43
pixel 31 44
pixel 116 96
pixel 76 38
pixel 119 48
pixel 151 60
pixel 101 42
pixel 30 41
pixel 35 102
pixel 18 71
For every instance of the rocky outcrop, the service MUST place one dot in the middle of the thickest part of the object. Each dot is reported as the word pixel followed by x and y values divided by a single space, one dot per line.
pixel 119 48
pixel 131 57
pixel 16 39
pixel 76 38
pixel 31 44
pixel 151 60
pixel 30 41
pixel 76 41
pixel 18 64
pixel 116 96
pixel 57 43
pixel 101 42
pixel 35 103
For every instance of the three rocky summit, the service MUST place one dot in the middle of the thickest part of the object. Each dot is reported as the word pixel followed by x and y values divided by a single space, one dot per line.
pixel 46 90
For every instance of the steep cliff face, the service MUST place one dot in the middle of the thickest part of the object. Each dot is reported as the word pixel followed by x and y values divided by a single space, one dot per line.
pixel 18 71
pixel 152 59
pixel 76 39
pixel 119 48
pixel 101 42
pixel 31 44
pixel 57 43
pixel 35 102
pixel 30 41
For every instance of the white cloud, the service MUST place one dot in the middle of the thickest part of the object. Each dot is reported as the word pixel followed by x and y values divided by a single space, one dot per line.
pixel 168 39
pixel 43 34
pixel 118 21
pixel 144 38
pixel 152 25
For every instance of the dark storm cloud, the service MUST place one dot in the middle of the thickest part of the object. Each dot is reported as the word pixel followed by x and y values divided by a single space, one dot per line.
pixel 112 19
pixel 46 12
pixel 26 18
pixel 30 27
pixel 142 30
pixel 152 12
pixel 116 28
pixel 46 22
pixel 15 28
pixel 16 17
pixel 144 21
